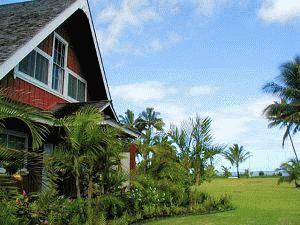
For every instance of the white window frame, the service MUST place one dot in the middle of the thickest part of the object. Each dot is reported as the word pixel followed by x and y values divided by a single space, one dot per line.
pixel 21 135
pixel 48 88
pixel 60 38
pixel 79 78
pixel 30 79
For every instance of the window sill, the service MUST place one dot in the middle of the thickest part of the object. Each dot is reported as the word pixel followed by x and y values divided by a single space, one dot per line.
pixel 42 86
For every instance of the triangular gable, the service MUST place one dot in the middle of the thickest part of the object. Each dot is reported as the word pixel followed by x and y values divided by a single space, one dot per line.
pixel 71 6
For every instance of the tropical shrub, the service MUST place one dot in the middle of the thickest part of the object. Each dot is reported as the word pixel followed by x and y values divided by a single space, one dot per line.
pixel 261 173
pixel 111 206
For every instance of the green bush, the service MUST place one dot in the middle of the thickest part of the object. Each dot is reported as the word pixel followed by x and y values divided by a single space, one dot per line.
pixel 112 206
pixel 261 173
pixel 8 214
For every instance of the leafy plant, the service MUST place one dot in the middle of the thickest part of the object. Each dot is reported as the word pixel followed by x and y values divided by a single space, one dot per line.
pixel 292 168
pixel 236 155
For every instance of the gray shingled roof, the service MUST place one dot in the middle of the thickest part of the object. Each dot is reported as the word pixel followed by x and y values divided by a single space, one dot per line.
pixel 20 22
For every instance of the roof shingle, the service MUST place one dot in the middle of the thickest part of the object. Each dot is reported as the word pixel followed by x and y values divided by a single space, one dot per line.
pixel 22 21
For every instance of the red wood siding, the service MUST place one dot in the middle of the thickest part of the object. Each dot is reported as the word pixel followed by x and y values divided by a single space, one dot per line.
pixel 30 94
pixel 47 45
pixel 132 156
pixel 72 59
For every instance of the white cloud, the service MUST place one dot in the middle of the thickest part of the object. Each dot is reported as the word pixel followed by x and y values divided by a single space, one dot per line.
pixel 208 7
pixel 280 11
pixel 232 123
pixel 174 38
pixel 142 92
pixel 171 39
pixel 130 14
pixel 156 45
pixel 203 90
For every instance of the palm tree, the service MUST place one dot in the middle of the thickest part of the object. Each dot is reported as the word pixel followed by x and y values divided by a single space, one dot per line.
pixel 35 121
pixel 213 152
pixel 129 119
pixel 292 168
pixel 149 120
pixel 182 138
pixel 89 151
pixel 147 123
pixel 81 146
pixel 285 113
pixel 236 155
pixel 195 143
pixel 201 144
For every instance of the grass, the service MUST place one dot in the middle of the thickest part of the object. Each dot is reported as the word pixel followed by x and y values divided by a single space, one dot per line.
pixel 258 201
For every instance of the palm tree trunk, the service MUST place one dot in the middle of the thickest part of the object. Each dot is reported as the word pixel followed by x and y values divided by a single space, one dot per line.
pixel 77 185
pixel 90 189
pixel 197 181
pixel 237 170
pixel 293 147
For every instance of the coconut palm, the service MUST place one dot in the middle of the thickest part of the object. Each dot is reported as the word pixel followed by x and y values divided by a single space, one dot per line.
pixel 236 155
pixel 292 168
pixel 128 119
pixel 149 120
pixel 214 151
pixel 285 113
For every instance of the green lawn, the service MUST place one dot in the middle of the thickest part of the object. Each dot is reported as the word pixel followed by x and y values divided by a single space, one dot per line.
pixel 258 201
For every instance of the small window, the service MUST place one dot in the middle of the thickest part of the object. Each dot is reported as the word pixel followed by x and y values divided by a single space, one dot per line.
pixel 58 65
pixel 13 142
pixel 76 89
pixel 35 65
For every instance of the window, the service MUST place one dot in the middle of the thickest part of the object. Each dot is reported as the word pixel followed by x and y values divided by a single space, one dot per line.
pixel 35 65
pixel 18 142
pixel 58 65
pixel 51 73
pixel 76 89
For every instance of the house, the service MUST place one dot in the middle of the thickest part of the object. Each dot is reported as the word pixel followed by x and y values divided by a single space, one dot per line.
pixel 50 59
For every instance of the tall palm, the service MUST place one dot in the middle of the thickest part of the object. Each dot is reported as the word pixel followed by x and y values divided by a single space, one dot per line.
pixel 128 119
pixel 292 168
pixel 81 146
pixel 194 141
pixel 148 123
pixel 214 151
pixel 236 155
pixel 285 113
pixel 149 120
pixel 201 143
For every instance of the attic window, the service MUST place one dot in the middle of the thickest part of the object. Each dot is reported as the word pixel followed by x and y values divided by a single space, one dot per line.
pixel 59 54
pixel 35 65
pixel 77 88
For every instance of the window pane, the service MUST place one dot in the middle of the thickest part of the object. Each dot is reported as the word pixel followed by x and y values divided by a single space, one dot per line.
pixel 59 53
pixel 41 71
pixel 81 91
pixel 57 78
pixel 3 140
pixel 16 142
pixel 27 64
pixel 72 87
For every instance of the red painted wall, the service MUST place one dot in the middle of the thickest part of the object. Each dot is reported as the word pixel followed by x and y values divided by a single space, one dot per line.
pixel 27 93
pixel 132 156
